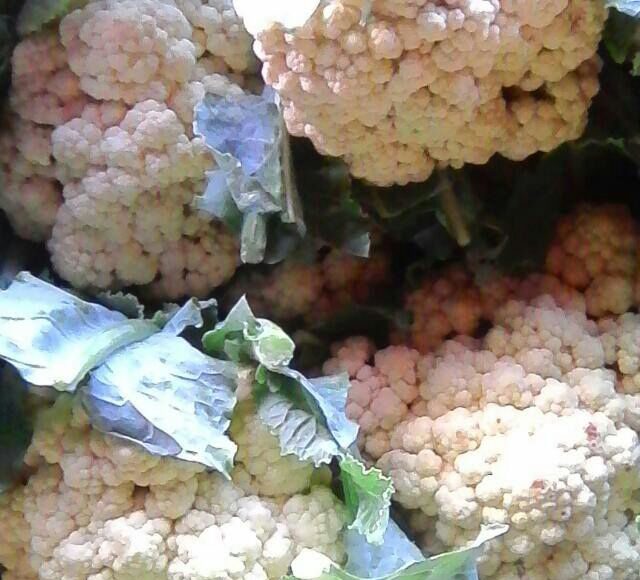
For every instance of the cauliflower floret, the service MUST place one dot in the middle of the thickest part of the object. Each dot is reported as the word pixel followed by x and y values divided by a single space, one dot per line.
pixel 312 291
pixel 129 50
pixel 99 508
pixel 383 389
pixel 260 468
pixel 409 86
pixel 219 30
pixel 43 88
pixel 30 195
pixel 595 250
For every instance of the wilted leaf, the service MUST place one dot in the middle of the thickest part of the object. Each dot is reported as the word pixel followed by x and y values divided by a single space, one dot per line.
pixel 167 396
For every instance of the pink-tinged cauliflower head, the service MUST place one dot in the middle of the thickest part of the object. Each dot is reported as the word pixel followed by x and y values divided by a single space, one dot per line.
pixel 452 303
pixel 30 195
pixel 130 177
pixel 43 88
pixel 534 426
pixel 596 251
pixel 313 291
pixel 408 86
pixel 129 50
pixel 219 31
pixel 96 507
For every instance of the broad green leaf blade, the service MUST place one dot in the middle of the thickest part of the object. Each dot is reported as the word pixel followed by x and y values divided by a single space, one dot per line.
pixel 259 16
pixel 328 395
pixel 36 14
pixel 457 564
pixel 368 497
pixel 169 397
pixel 54 338
pixel 299 432
pixel 630 7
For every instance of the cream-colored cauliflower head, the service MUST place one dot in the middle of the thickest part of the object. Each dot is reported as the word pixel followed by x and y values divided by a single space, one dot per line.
pixel 97 507
pixel 533 425
pixel 99 157
pixel 129 181
pixel 407 86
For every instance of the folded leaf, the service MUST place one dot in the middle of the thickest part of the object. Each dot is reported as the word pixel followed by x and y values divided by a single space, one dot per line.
pixel 167 396
pixel 368 497
pixel 54 338
pixel 254 180
pixel 457 564
pixel 298 431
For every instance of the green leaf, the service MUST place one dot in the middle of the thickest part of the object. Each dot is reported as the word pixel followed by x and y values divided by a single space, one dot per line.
pixel 298 431
pixel 459 563
pixel 36 14
pixel 168 397
pixel 367 495
pixel 54 338
pixel 254 183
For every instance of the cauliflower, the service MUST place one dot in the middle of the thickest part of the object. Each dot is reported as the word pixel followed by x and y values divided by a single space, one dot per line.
pixel 398 88
pixel 313 291
pixel 96 507
pixel 596 250
pixel 102 161
pixel 533 425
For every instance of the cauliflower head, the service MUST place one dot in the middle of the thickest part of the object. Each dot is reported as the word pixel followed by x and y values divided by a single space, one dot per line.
pixel 534 425
pixel 97 507
pixel 398 88
pixel 101 160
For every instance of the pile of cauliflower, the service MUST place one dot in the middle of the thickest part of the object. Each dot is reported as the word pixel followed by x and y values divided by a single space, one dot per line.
pixel 398 88
pixel 100 159
pixel 533 423
pixel 99 508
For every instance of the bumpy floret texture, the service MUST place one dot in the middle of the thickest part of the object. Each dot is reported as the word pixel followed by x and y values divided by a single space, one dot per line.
pixel 407 86
pixel 44 93
pixel 313 291
pixel 219 31
pixel 102 161
pixel 596 250
pixel 453 303
pixel 533 425
pixel 99 508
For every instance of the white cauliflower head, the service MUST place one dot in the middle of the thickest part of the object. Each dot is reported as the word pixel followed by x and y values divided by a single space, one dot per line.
pixel 405 86
pixel 534 426
pixel 97 507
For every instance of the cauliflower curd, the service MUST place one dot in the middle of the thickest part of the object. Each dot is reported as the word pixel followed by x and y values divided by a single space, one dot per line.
pixel 533 424
pixel 99 508
pixel 101 160
pixel 398 88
